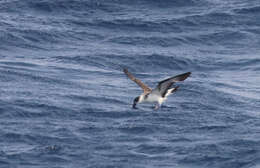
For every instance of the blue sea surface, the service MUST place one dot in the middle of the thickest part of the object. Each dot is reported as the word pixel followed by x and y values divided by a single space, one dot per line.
pixel 65 102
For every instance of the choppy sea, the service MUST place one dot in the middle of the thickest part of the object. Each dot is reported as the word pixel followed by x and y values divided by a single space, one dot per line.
pixel 65 102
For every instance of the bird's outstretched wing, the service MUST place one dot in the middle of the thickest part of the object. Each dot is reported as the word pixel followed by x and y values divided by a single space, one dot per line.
pixel 137 81
pixel 164 85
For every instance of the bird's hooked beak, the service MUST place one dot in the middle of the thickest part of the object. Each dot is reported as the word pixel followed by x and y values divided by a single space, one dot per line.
pixel 135 102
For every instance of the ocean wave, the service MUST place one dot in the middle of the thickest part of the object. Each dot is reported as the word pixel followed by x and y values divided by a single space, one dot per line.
pixel 151 41
pixel 248 10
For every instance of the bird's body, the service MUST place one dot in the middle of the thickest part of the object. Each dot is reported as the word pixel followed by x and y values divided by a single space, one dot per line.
pixel 159 94
pixel 148 98
pixel 155 97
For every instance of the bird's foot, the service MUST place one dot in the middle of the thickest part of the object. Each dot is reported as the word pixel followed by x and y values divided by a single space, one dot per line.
pixel 156 107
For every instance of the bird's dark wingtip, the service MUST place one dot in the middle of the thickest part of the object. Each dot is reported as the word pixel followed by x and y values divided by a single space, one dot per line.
pixel 125 70
pixel 189 73
pixel 184 76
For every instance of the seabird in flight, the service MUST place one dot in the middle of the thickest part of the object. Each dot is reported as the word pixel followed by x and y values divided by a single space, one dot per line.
pixel 160 93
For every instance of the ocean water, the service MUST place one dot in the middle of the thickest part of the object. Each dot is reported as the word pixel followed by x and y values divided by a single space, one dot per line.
pixel 65 102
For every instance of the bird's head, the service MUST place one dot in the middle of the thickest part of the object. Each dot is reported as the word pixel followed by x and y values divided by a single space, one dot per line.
pixel 136 100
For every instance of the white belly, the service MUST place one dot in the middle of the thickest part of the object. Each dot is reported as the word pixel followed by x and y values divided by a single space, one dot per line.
pixel 153 98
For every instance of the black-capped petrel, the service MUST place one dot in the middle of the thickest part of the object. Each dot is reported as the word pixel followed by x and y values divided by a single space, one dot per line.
pixel 160 93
